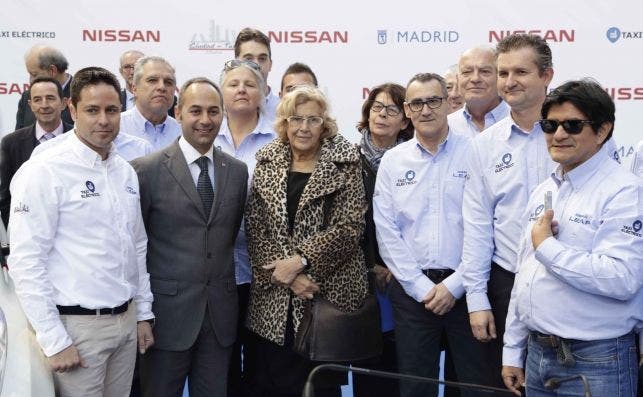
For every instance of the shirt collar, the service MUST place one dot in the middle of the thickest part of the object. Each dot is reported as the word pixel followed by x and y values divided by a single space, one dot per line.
pixel 40 132
pixel 498 112
pixel 191 154
pixel 506 132
pixel 262 128
pixel 64 85
pixel 442 147
pixel 141 122
pixel 85 153
pixel 581 174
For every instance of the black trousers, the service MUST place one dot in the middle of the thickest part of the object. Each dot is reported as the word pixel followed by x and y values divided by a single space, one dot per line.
pixel 418 334
pixel 499 287
pixel 243 354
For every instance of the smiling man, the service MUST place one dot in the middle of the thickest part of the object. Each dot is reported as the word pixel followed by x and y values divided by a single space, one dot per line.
pixel 78 248
pixel 154 86
pixel 477 83
pixel 587 251
pixel 46 102
pixel 192 199
pixel 506 163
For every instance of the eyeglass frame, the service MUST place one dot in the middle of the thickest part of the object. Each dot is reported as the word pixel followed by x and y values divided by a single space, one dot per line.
pixel 565 124
pixel 415 102
pixel 297 121
pixel 387 107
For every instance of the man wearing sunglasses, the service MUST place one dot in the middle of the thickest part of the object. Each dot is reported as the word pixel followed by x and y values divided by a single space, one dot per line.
pixel 505 163
pixel 577 296
pixel 417 209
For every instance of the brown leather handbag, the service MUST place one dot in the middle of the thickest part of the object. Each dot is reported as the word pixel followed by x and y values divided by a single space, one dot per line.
pixel 328 334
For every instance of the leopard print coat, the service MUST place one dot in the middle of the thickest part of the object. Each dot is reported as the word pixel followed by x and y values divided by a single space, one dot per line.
pixel 335 259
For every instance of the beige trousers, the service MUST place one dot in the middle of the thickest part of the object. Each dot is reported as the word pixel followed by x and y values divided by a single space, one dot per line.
pixel 107 343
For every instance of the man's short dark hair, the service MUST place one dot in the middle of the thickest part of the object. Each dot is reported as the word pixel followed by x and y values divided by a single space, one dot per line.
pixel 196 80
pixel 297 68
pixel 47 79
pixel 92 75
pixel 588 97
pixel 426 77
pixel 518 41
pixel 250 34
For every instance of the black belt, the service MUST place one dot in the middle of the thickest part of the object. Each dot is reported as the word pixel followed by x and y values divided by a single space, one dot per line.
pixel 437 275
pixel 77 310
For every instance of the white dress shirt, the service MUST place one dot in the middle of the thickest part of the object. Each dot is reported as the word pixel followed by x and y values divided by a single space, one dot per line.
pixel 505 164
pixel 417 209
pixel 461 121
pixel 192 155
pixel 40 132
pixel 77 237
pixel 585 283
pixel 160 136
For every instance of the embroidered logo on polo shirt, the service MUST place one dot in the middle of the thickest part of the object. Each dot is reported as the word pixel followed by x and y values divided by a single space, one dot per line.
pixel 130 190
pixel 90 192
pixel 20 208
pixel 634 230
pixel 536 213
pixel 505 162
pixel 409 179
pixel 580 218
pixel 461 174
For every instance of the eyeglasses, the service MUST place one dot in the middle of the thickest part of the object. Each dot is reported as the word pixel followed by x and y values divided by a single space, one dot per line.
pixel 570 126
pixel 298 121
pixel 391 110
pixel 417 105
pixel 235 63
pixel 127 67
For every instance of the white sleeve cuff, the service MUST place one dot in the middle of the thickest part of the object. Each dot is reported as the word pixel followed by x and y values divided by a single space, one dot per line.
pixel 454 285
pixel 514 357
pixel 478 301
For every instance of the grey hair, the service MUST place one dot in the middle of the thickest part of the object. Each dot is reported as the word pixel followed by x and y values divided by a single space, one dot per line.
pixel 263 87
pixel 48 56
pixel 138 67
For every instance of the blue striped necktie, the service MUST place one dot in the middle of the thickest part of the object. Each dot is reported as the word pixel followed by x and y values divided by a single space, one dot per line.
pixel 204 185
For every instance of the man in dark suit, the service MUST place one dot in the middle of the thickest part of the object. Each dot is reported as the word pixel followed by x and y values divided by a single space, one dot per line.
pixel 44 61
pixel 126 69
pixel 192 200
pixel 46 103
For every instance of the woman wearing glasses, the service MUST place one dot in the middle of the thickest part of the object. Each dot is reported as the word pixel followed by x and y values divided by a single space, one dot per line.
pixel 244 131
pixel 383 126
pixel 304 222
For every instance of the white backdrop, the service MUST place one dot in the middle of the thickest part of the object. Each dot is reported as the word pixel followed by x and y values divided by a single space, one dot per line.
pixel 350 45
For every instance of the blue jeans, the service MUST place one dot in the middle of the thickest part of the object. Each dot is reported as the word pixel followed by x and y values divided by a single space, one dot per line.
pixel 610 366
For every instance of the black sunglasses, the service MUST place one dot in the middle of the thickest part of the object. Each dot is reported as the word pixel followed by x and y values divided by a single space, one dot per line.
pixel 570 126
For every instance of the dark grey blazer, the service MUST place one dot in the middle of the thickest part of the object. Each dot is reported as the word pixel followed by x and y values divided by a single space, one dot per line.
pixel 189 255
